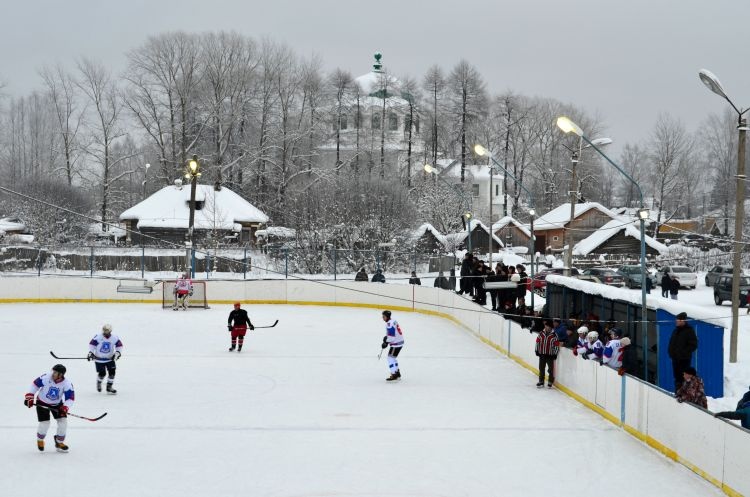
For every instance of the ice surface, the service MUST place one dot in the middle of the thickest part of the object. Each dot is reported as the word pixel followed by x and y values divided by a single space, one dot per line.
pixel 304 410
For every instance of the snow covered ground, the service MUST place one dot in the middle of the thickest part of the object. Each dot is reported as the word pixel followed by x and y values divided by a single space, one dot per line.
pixel 304 411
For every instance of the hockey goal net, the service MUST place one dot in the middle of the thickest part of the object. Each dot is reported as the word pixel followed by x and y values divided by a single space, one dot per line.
pixel 198 299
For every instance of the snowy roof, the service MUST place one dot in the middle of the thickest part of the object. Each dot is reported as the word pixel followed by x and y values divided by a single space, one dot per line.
pixel 112 231
pixel 476 171
pixel 598 237
pixel 11 224
pixel 502 223
pixel 277 232
pixel 560 216
pixel 457 238
pixel 170 208
pixel 417 234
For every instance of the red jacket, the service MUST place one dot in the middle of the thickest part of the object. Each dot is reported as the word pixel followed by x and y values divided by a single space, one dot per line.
pixel 547 344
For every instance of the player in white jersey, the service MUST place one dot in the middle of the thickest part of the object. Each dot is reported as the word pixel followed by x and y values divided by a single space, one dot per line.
pixel 183 289
pixel 394 338
pixel 594 346
pixel 580 347
pixel 104 349
pixel 614 349
pixel 54 394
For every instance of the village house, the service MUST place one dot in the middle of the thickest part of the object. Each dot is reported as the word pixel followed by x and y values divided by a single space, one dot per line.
pixel 549 228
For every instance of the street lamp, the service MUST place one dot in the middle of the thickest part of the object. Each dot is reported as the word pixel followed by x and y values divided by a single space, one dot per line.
pixel 575 157
pixel 481 151
pixel 567 126
pixel 466 216
pixel 713 84
pixel 192 172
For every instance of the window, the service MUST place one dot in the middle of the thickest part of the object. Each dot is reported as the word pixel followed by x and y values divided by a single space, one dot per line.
pixel 475 190
pixel 392 122
pixel 376 121
pixel 555 238
pixel 343 122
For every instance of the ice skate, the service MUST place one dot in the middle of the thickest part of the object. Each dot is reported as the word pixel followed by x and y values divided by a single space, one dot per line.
pixel 395 376
pixel 60 446
pixel 239 348
pixel 540 384
pixel 231 349
pixel 98 385
pixel 549 385
pixel 40 445
pixel 111 390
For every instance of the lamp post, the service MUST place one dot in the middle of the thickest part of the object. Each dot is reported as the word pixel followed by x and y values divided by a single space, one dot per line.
pixel 713 84
pixel 143 183
pixel 567 126
pixel 466 216
pixel 481 151
pixel 192 172
pixel 575 157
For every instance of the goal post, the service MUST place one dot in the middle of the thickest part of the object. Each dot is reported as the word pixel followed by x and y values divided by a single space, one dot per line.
pixel 198 300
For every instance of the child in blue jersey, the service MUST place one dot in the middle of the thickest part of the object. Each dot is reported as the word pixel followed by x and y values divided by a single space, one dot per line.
pixel 394 338
pixel 54 394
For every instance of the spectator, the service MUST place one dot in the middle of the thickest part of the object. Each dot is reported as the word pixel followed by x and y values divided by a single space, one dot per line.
pixel 441 282
pixel 561 331
pixel 546 350
pixel 414 280
pixel 378 277
pixel 491 278
pixel 523 283
pixel 666 284
pixel 692 389
pixel 452 280
pixel 745 398
pixel 361 275
pixel 742 413
pixel 682 344
pixel 467 266
pixel 649 283
pixel 674 288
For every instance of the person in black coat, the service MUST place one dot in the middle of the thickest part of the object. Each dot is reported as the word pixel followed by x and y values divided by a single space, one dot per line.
pixel 467 266
pixel 674 288
pixel 666 285
pixel 682 344
pixel 521 294
pixel 238 323
pixel 452 281
pixel 441 282
pixel 378 277
pixel 361 275
pixel 414 280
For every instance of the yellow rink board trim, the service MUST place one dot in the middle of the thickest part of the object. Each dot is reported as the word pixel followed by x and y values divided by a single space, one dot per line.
pixel 648 440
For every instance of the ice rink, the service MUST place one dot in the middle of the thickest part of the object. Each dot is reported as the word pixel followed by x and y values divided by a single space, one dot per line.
pixel 304 410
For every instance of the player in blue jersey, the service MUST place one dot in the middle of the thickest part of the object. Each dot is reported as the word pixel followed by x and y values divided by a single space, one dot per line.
pixel 104 349
pixel 394 338
pixel 54 394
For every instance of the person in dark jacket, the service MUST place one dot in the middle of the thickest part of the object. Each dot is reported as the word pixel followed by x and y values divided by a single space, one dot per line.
pixel 692 389
pixel 666 285
pixel 546 350
pixel 682 344
pixel 238 323
pixel 649 283
pixel 414 280
pixel 361 275
pixel 742 413
pixel 441 282
pixel 523 282
pixel 378 277
pixel 467 266
pixel 674 288
pixel 452 280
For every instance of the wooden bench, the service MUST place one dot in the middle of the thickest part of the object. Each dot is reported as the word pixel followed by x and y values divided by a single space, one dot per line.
pixel 135 286
pixel 500 285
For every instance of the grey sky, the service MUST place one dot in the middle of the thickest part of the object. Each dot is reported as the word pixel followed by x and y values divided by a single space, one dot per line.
pixel 624 60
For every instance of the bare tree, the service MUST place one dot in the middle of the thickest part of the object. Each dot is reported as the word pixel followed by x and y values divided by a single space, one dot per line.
pixel 468 100
pixel 434 85
pixel 718 140
pixel 634 160
pixel 340 85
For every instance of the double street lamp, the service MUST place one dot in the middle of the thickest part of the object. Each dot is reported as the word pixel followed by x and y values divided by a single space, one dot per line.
pixel 713 84
pixel 481 151
pixel 192 172
pixel 466 216
pixel 568 126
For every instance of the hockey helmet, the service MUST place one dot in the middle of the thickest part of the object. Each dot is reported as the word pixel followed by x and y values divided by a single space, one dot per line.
pixel 583 330
pixel 617 332
pixel 592 335
pixel 59 368
pixel 387 314
pixel 107 329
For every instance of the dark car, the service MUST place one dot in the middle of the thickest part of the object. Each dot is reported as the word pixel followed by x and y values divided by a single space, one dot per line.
pixel 539 282
pixel 723 290
pixel 716 272
pixel 606 275
pixel 631 276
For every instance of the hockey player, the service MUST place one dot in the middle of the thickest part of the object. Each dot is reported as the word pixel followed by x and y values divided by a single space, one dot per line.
pixel 594 346
pixel 614 349
pixel 238 323
pixel 104 349
pixel 580 347
pixel 54 394
pixel 394 338
pixel 546 349
pixel 183 289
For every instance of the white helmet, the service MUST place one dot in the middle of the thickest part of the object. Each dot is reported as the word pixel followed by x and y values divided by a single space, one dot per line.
pixel 107 328
pixel 592 335
pixel 583 330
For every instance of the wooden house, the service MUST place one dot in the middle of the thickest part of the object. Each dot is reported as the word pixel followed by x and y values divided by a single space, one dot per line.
pixel 511 232
pixel 549 228
pixel 618 237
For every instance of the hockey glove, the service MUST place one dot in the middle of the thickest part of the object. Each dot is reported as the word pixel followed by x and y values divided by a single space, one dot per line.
pixel 575 352
pixel 62 410
pixel 229 327
pixel 252 327
pixel 117 355
pixel 385 343
pixel 28 400
pixel 90 357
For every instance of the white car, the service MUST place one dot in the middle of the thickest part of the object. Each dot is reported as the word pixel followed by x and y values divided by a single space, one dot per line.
pixel 686 276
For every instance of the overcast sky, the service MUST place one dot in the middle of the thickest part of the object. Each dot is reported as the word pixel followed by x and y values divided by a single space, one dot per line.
pixel 623 60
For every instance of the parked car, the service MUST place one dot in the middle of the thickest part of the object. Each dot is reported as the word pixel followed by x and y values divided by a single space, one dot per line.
pixel 723 290
pixel 539 283
pixel 684 274
pixel 716 272
pixel 631 276
pixel 606 275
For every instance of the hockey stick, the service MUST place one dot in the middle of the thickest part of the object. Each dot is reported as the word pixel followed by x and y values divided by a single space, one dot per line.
pixel 74 415
pixel 380 354
pixel 274 324
pixel 65 358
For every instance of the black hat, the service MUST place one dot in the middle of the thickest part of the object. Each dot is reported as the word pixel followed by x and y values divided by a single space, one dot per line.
pixel 682 316
pixel 691 371
pixel 387 314
pixel 616 332
pixel 59 368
